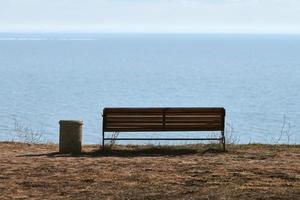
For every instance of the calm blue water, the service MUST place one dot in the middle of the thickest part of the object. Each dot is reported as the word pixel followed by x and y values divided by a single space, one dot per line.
pixel 48 77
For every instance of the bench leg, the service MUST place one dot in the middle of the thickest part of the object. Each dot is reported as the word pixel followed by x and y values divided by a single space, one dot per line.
pixel 223 141
pixel 102 140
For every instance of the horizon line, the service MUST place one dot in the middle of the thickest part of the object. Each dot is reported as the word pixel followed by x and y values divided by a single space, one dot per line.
pixel 150 32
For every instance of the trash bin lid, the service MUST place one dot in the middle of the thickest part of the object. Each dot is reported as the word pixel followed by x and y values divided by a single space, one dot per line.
pixel 71 122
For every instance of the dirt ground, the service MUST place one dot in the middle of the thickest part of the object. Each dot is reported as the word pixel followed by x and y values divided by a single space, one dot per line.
pixel 186 172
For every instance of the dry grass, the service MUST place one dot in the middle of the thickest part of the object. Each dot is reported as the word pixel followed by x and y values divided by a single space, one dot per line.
pixel 186 172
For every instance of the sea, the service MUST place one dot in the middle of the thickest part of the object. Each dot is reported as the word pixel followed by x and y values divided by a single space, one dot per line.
pixel 47 77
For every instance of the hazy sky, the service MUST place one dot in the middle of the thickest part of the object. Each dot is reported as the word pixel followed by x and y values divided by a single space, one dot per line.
pixel 150 16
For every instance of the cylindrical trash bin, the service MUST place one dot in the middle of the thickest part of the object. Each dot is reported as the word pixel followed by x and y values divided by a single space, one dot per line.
pixel 70 136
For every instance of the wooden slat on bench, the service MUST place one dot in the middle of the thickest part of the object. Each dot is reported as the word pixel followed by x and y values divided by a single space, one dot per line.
pixel 146 129
pixel 192 121
pixel 159 110
pixel 167 123
pixel 134 125
pixel 115 117
pixel 192 110
pixel 133 110
pixel 176 127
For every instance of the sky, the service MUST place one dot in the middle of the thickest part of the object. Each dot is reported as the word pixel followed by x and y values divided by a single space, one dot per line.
pixel 163 16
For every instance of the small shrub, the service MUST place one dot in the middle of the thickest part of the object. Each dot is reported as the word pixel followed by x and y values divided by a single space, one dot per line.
pixel 113 141
pixel 27 134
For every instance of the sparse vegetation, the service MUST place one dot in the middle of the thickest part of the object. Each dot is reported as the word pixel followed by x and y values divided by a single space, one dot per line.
pixel 285 132
pixel 26 134
pixel 150 172
pixel 113 141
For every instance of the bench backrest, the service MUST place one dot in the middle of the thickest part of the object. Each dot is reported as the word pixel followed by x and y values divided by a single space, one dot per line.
pixel 163 119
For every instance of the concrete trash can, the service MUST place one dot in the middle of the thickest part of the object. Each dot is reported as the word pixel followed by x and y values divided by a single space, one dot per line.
pixel 70 136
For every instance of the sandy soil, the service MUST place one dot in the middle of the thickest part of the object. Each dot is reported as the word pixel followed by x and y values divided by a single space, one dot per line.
pixel 187 172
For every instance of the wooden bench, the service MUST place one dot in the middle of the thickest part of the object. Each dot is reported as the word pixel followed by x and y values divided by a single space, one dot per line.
pixel 163 119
